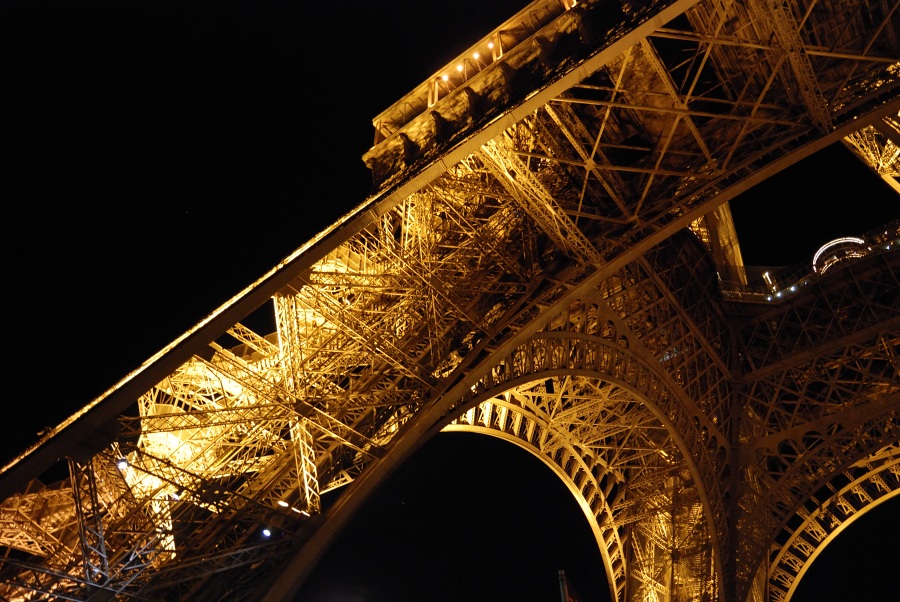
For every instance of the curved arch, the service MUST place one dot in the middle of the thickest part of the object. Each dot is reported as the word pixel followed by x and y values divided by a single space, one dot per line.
pixel 623 460
pixel 570 485
pixel 846 455
pixel 558 352
pixel 853 492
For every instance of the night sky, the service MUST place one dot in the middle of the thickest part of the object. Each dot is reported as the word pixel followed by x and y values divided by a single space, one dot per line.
pixel 160 156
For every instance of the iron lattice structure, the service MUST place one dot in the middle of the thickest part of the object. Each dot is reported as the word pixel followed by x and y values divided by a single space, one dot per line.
pixel 548 257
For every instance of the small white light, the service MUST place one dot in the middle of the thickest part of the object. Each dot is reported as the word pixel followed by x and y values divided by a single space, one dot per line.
pixel 122 463
pixel 459 68
pixel 793 289
pixel 476 56
pixel 490 44
pixel 778 294
pixel 267 533
pixel 283 503
pixel 445 77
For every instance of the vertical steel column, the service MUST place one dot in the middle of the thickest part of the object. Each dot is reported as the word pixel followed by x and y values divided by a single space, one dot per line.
pixel 90 522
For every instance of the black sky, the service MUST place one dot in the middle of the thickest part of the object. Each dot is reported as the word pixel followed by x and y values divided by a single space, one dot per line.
pixel 160 156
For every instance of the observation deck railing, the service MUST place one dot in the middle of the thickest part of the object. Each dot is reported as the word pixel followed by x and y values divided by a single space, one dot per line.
pixel 774 285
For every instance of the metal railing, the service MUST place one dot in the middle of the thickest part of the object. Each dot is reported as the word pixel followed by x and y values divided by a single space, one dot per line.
pixel 773 285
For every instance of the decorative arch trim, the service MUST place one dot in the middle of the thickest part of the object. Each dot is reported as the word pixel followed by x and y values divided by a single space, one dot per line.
pixel 600 534
pixel 548 354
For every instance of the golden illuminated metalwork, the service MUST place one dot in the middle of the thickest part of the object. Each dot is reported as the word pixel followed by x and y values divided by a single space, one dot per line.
pixel 878 145
pixel 548 258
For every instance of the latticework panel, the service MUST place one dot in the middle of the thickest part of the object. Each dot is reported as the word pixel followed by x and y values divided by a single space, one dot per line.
pixel 372 329
pixel 108 540
pixel 828 510
pixel 823 394
pixel 666 122
pixel 828 312
pixel 32 519
pixel 623 464
pixel 591 338
pixel 215 454
pixel 878 146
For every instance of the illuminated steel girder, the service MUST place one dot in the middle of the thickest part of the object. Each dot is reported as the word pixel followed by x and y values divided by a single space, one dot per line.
pixel 542 261
pixel 878 145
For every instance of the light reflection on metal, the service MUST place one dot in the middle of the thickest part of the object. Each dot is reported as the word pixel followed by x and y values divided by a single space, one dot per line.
pixel 878 146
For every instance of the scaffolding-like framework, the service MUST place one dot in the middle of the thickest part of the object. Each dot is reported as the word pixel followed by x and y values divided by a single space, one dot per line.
pixel 548 258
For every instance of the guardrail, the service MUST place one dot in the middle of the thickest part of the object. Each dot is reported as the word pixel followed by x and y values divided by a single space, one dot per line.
pixel 774 285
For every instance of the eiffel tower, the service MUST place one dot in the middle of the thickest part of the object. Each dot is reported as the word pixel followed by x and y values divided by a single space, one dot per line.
pixel 548 256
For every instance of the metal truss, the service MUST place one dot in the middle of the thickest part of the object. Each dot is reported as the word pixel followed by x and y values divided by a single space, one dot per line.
pixel 820 399
pixel 525 268
pixel 878 146
pixel 828 511
pixel 621 462
pixel 634 332
pixel 213 456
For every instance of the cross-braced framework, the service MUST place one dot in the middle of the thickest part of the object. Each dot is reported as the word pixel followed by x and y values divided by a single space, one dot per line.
pixel 878 145
pixel 619 459
pixel 545 258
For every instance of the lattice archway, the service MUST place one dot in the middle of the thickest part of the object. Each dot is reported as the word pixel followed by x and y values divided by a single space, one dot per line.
pixel 866 484
pixel 847 496
pixel 623 460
